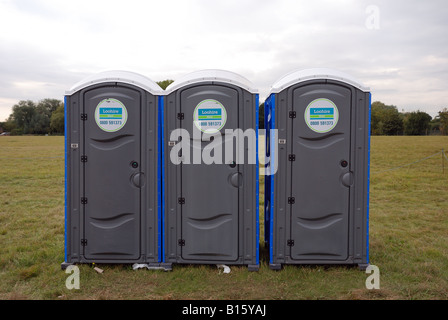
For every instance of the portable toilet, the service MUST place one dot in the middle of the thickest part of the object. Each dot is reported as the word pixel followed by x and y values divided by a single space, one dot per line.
pixel 317 187
pixel 210 151
pixel 112 169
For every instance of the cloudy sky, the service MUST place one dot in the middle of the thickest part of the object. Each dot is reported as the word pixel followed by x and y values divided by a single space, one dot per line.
pixel 399 48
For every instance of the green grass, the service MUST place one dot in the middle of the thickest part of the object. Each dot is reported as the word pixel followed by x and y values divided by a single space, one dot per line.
pixel 408 237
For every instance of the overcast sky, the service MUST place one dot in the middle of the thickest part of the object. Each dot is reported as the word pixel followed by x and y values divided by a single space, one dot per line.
pixel 399 48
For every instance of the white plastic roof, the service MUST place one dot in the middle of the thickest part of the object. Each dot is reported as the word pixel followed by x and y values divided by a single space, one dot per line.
pixel 315 74
pixel 212 75
pixel 118 76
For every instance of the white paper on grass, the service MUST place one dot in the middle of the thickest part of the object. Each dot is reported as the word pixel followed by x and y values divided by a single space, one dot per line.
pixel 226 268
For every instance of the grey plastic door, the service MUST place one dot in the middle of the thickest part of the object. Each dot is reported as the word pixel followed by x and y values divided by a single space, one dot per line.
pixel 112 212
pixel 320 173
pixel 210 212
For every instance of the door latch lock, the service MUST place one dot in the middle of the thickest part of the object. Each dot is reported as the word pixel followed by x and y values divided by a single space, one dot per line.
pixel 134 164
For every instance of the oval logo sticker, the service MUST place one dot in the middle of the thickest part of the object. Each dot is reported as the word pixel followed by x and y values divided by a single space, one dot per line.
pixel 321 115
pixel 209 116
pixel 111 115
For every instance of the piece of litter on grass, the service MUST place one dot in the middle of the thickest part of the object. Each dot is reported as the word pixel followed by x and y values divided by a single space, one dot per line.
pixel 136 266
pixel 98 270
pixel 223 266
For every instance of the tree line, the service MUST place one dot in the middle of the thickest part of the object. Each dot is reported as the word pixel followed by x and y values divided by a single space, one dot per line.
pixel 387 120
pixel 47 117
pixel 43 117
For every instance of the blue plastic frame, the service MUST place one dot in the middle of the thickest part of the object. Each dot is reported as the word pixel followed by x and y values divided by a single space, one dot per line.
pixel 269 120
pixel 368 179
pixel 161 167
pixel 65 177
pixel 257 177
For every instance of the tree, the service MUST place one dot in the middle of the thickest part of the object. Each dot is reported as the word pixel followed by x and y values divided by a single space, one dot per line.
pixel 57 121
pixel 29 118
pixel 417 123
pixel 443 116
pixel 435 125
pixel 48 106
pixel 22 116
pixel 9 125
pixel 385 120
pixel 44 111
pixel 40 123
pixel 165 83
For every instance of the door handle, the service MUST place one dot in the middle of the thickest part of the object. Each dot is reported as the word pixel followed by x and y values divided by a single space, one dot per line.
pixel 347 179
pixel 236 179
pixel 138 179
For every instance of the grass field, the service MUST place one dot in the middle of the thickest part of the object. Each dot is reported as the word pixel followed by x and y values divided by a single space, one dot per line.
pixel 408 236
